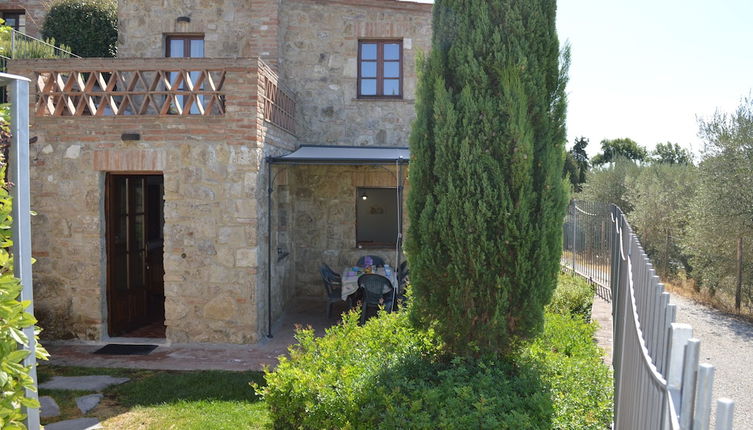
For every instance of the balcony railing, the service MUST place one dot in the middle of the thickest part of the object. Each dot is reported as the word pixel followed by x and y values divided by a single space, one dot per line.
pixel 278 102
pixel 245 89
pixel 131 92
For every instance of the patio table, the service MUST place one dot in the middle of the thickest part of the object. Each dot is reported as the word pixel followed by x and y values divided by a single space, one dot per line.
pixel 350 279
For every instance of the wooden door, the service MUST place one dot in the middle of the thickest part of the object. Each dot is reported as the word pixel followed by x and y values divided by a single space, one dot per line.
pixel 135 289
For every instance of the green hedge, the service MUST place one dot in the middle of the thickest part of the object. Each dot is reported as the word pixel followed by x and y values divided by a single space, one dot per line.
pixel 388 375
pixel 89 27
pixel 573 295
pixel 14 376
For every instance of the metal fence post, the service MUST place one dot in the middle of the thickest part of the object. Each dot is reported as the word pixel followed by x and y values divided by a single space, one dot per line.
pixel 575 215
pixel 689 373
pixel 704 388
pixel 678 337
pixel 21 228
pixel 725 409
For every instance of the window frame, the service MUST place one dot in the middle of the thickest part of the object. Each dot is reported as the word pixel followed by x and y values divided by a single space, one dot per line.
pixel 374 245
pixel 17 13
pixel 186 46
pixel 380 69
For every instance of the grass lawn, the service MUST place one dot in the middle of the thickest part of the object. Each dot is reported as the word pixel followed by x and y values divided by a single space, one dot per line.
pixel 166 399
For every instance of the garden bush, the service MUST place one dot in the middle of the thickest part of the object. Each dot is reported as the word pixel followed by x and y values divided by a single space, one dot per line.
pixel 573 296
pixel 89 27
pixel 388 375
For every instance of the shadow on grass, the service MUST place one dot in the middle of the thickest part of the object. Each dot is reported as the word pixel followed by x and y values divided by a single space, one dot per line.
pixel 205 386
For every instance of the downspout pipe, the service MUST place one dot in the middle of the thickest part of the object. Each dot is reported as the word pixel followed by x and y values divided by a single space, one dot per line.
pixel 399 224
pixel 269 247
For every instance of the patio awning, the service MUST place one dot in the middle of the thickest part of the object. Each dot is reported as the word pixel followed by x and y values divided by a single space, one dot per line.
pixel 317 154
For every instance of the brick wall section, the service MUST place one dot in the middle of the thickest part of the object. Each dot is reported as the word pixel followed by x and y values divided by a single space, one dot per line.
pixel 211 168
pixel 36 11
pixel 320 63
pixel 231 28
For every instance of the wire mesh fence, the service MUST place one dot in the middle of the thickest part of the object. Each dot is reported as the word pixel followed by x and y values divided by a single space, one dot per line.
pixel 659 383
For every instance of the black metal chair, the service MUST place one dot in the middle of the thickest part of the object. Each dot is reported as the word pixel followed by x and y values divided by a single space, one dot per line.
pixel 376 261
pixel 333 289
pixel 374 295
pixel 402 283
pixel 332 274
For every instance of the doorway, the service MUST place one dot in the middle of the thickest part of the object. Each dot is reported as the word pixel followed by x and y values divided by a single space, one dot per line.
pixel 134 212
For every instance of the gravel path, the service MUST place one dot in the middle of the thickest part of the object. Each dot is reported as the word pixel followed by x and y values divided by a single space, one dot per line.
pixel 727 343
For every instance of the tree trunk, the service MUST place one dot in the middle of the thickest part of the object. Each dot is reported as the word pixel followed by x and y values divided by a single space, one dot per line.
pixel 739 287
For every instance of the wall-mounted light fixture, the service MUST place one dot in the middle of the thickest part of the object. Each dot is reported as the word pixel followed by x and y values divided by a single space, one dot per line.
pixel 183 19
pixel 364 196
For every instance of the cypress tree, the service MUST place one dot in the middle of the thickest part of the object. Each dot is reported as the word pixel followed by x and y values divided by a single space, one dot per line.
pixel 487 199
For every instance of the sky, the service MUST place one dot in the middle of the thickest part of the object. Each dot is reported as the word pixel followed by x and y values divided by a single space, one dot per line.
pixel 647 69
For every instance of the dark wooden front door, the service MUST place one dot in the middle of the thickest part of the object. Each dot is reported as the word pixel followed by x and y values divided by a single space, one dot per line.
pixel 135 273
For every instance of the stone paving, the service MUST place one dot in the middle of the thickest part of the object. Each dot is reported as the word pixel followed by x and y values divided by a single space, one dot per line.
pixel 302 312
pixel 82 383
pixel 77 424
pixel 48 407
pixel 601 312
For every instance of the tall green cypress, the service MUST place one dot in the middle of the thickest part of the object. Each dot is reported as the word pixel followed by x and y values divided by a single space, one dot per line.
pixel 487 199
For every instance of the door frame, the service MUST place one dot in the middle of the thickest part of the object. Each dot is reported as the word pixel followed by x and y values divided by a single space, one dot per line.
pixel 107 272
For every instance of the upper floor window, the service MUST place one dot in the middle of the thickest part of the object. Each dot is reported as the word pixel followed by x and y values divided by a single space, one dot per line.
pixel 184 46
pixel 14 19
pixel 380 68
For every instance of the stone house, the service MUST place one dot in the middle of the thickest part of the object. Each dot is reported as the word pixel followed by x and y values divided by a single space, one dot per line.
pixel 25 16
pixel 151 172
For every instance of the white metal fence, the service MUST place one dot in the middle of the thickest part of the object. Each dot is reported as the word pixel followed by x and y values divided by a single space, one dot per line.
pixel 659 383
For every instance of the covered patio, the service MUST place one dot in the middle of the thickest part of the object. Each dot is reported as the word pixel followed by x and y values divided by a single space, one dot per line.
pixel 332 205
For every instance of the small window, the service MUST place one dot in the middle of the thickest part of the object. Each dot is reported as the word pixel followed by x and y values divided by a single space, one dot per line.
pixel 380 68
pixel 184 46
pixel 376 217
pixel 14 19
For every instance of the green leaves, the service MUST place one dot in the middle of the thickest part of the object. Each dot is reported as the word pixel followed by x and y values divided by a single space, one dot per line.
pixel 14 376
pixel 89 27
pixel 388 375
pixel 487 199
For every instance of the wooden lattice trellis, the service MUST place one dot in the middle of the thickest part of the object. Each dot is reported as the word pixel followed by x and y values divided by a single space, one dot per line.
pixel 131 92
pixel 279 106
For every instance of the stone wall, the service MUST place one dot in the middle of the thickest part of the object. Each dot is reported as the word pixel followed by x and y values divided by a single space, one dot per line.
pixel 212 208
pixel 324 218
pixel 231 28
pixel 319 62
pixel 36 11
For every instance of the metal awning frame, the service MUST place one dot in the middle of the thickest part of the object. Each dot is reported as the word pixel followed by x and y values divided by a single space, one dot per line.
pixel 398 161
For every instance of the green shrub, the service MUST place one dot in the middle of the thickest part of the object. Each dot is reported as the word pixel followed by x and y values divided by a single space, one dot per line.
pixel 571 364
pixel 573 296
pixel 387 375
pixel 14 376
pixel 89 27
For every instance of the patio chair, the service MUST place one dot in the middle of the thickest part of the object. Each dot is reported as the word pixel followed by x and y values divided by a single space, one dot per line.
pixel 334 276
pixel 333 289
pixel 376 261
pixel 374 287
pixel 402 284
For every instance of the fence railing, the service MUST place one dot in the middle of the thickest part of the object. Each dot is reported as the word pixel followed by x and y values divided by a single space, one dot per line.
pixel 130 92
pixel 587 244
pixel 279 102
pixel 15 44
pixel 659 383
